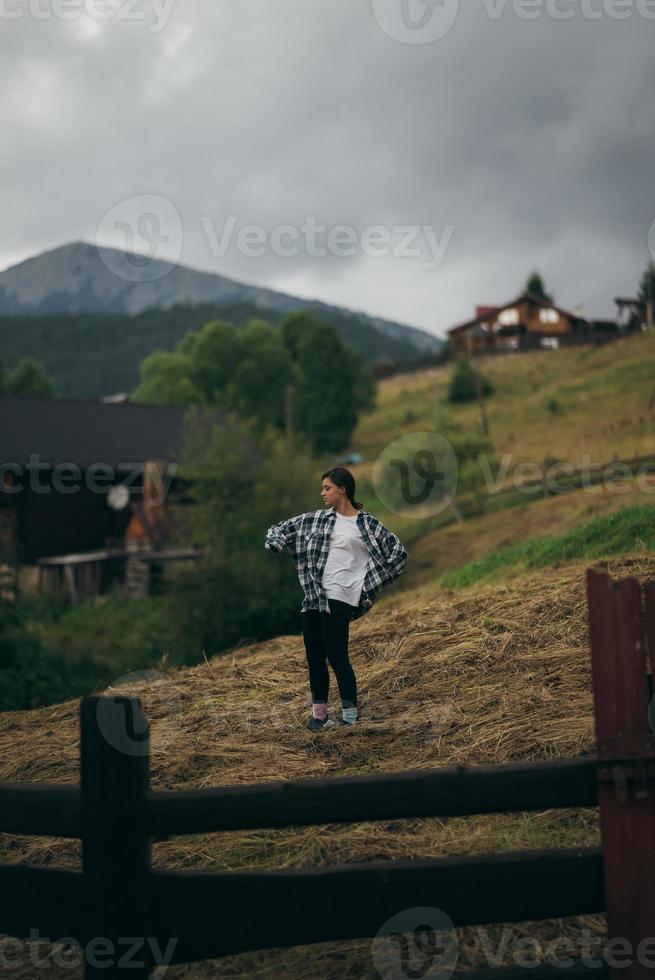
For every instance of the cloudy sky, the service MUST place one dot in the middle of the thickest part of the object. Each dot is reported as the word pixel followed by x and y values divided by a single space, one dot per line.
pixel 411 158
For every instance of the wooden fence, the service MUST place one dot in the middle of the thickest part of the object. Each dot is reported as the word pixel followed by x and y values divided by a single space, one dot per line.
pixel 198 915
pixel 556 477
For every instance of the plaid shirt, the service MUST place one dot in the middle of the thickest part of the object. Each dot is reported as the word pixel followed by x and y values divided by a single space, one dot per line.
pixel 307 538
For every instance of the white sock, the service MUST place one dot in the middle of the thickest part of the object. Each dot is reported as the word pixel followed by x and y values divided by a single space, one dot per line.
pixel 350 714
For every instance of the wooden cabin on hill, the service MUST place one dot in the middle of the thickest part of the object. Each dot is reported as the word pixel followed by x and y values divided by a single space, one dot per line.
pixel 89 492
pixel 527 322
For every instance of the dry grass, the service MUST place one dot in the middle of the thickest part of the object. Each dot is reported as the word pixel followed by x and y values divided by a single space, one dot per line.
pixel 484 676
pixel 602 398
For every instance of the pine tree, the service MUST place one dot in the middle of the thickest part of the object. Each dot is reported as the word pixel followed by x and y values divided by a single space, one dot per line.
pixel 535 285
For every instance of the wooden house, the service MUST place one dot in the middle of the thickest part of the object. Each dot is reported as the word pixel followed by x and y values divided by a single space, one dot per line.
pixel 84 484
pixel 526 322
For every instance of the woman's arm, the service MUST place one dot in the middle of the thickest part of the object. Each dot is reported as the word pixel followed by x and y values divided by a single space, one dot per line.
pixel 283 535
pixel 394 551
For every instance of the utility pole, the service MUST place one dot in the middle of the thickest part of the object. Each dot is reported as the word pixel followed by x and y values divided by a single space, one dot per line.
pixel 436 411
pixel 650 275
pixel 288 416
pixel 483 412
pixel 478 385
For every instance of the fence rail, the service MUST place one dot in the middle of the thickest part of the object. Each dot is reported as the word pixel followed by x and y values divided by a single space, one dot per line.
pixel 449 791
pixel 474 504
pixel 197 915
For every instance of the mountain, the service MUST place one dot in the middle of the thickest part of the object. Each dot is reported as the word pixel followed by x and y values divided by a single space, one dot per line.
pixel 85 278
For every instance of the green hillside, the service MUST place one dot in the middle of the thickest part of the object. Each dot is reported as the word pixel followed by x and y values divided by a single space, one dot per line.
pixel 546 403
pixel 630 531
pixel 566 405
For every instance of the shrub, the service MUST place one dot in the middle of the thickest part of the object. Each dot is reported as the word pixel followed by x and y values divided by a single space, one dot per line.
pixel 30 674
pixel 463 387
pixel 468 447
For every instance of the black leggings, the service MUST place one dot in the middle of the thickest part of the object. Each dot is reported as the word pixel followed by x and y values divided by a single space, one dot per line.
pixel 326 635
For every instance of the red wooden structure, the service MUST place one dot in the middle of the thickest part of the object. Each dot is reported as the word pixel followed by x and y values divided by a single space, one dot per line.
pixel 622 637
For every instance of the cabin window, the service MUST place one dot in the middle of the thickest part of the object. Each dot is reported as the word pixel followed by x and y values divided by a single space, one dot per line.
pixel 508 317
pixel 548 315
pixel 549 342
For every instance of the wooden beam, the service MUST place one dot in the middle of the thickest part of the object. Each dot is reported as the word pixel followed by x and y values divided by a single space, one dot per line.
pixel 447 791
pixel 165 554
pixel 218 914
pixel 50 900
pixel 50 809
pixel 69 575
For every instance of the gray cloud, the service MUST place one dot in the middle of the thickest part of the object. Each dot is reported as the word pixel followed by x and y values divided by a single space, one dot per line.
pixel 531 139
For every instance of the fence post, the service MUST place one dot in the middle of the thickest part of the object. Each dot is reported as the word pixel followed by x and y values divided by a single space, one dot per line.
pixel 114 777
pixel 626 770
pixel 649 594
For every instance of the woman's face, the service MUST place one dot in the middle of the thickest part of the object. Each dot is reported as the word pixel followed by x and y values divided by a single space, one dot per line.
pixel 330 492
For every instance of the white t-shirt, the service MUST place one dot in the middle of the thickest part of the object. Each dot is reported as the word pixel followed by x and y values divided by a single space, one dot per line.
pixel 345 568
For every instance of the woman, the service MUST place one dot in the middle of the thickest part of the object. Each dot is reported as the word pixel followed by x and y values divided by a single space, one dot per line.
pixel 343 556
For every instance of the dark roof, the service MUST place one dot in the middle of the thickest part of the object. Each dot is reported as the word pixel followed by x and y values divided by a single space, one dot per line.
pixel 68 430
pixel 628 301
pixel 532 297
pixel 604 324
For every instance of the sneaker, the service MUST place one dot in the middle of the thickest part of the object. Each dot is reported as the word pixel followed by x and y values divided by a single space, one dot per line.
pixel 316 725
pixel 349 724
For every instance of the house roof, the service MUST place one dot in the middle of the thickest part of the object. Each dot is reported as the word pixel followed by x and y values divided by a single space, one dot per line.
pixel 84 431
pixel 493 310
pixel 628 301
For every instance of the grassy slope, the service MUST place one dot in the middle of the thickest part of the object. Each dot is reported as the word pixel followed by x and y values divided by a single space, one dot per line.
pixel 489 676
pixel 628 531
pixel 438 554
pixel 602 394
